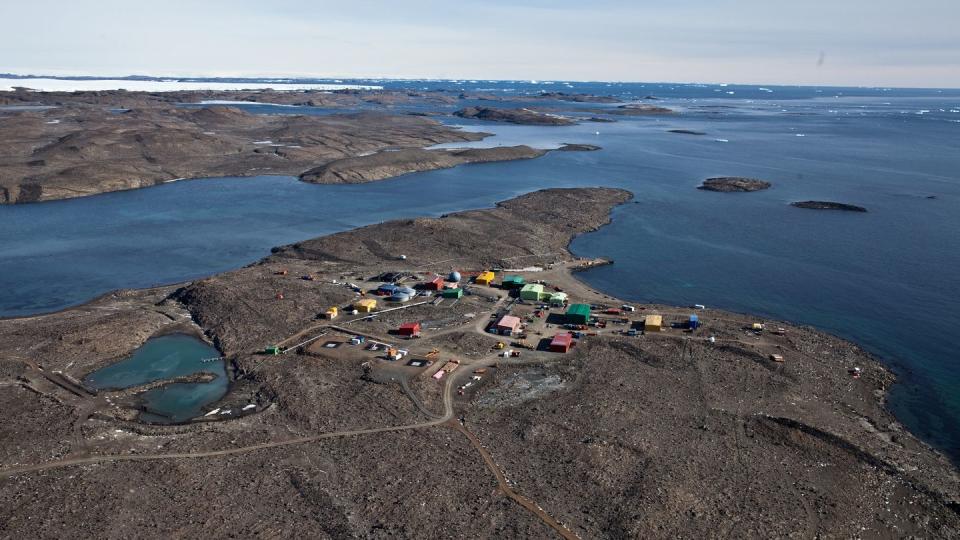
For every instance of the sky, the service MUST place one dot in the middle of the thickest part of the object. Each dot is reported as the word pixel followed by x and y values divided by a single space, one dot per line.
pixel 912 43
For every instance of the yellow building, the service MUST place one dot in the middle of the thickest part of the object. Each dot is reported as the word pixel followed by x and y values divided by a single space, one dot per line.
pixel 333 312
pixel 366 305
pixel 485 278
pixel 653 323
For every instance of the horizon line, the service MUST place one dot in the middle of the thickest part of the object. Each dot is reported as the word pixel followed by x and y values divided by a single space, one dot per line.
pixel 326 78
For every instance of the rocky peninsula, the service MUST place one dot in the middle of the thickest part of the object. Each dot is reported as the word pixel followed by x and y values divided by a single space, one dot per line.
pixel 664 434
pixel 827 205
pixel 731 184
pixel 390 163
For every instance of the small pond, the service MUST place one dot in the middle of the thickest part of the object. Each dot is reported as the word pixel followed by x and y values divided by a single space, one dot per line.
pixel 161 358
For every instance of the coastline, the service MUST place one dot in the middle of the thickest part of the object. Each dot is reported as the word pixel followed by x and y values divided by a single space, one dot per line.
pixel 216 305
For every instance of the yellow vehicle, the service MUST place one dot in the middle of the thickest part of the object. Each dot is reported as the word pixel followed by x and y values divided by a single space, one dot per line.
pixel 499 345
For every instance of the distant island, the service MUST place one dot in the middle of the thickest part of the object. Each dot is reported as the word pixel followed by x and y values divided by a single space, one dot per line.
pixel 827 205
pixel 686 131
pixel 731 184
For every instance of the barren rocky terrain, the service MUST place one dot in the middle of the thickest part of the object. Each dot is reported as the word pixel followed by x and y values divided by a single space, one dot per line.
pixel 74 151
pixel 661 435
pixel 58 145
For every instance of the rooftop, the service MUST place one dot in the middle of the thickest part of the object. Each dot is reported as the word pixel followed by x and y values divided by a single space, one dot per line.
pixel 509 321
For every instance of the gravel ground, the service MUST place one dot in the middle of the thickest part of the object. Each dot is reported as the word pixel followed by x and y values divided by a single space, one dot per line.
pixel 662 435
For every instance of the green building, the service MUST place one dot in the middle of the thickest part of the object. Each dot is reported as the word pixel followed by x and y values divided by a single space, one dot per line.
pixel 558 299
pixel 452 293
pixel 512 282
pixel 534 292
pixel 578 314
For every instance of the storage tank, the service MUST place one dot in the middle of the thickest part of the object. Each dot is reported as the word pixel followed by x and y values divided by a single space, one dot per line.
pixel 454 277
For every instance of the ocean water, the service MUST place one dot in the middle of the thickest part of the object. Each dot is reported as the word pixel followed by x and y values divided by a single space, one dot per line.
pixel 887 279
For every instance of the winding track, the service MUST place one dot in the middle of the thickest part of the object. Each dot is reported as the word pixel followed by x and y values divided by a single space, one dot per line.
pixel 447 415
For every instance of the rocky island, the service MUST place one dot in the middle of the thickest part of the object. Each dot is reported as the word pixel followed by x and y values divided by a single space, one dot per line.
pixel 827 205
pixel 578 147
pixel 648 426
pixel 639 109
pixel 523 116
pixel 731 184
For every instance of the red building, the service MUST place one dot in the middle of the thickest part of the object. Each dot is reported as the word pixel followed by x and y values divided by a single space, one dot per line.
pixel 561 343
pixel 409 329
pixel 435 284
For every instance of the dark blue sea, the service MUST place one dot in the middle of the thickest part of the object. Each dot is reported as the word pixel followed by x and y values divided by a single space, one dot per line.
pixel 888 279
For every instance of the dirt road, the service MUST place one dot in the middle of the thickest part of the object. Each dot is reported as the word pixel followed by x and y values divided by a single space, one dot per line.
pixel 505 486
